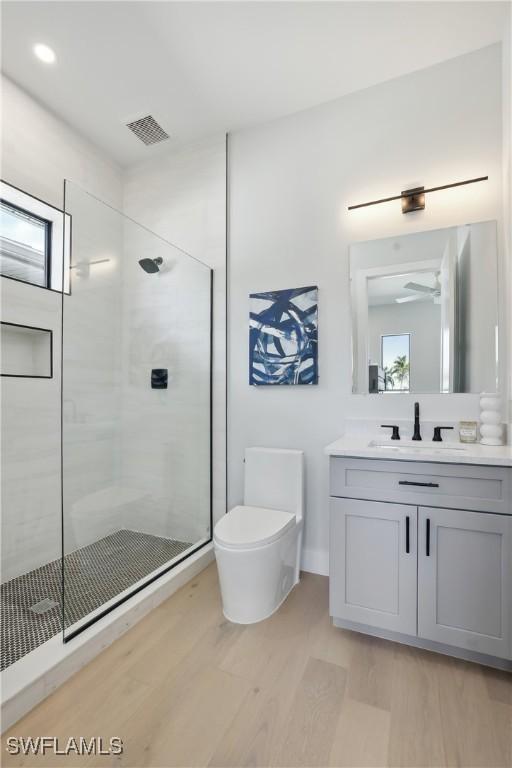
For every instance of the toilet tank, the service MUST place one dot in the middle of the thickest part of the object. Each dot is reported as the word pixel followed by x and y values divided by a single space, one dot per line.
pixel 274 478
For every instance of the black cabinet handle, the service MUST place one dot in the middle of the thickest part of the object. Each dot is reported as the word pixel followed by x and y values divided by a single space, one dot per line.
pixel 427 538
pixel 421 485
pixel 407 534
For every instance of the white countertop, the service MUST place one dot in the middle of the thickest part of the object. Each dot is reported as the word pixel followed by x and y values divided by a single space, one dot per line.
pixel 359 446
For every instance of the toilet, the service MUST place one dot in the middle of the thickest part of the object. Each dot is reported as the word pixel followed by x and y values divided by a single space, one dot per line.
pixel 258 544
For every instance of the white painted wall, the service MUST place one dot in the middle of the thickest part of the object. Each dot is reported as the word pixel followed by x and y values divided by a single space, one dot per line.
pixel 182 197
pixel 290 183
pixel 37 152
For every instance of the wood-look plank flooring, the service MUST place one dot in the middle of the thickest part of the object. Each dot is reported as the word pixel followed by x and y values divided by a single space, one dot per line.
pixel 185 687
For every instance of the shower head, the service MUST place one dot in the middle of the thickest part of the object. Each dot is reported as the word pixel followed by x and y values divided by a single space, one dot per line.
pixel 151 265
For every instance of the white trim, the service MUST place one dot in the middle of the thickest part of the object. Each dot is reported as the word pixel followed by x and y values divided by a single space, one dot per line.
pixel 315 561
pixel 61 231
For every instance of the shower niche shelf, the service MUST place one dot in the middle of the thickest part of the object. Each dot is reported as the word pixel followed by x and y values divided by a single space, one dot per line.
pixel 27 352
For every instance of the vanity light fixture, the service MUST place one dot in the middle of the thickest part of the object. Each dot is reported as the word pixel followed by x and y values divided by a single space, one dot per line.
pixel 414 199
pixel 44 53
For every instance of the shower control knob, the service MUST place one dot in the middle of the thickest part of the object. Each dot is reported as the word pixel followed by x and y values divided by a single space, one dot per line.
pixel 159 378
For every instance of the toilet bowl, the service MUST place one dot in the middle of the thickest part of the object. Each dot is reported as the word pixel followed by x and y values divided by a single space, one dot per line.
pixel 258 544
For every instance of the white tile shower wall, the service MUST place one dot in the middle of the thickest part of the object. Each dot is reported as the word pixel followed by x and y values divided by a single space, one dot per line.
pixel 93 498
pixel 30 428
pixel 181 196
pixel 37 152
pixel 290 183
pixel 166 432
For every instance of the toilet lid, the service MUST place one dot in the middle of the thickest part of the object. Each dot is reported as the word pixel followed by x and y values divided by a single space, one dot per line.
pixel 252 526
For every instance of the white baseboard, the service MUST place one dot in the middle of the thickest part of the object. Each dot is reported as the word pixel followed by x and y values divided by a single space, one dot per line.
pixel 39 673
pixel 315 561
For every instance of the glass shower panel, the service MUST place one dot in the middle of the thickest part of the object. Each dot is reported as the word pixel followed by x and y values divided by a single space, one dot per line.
pixel 136 405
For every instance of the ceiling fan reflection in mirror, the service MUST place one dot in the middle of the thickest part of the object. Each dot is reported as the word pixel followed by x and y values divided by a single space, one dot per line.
pixel 422 292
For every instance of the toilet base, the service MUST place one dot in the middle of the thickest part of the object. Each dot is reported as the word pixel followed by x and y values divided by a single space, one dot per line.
pixel 256 621
pixel 255 582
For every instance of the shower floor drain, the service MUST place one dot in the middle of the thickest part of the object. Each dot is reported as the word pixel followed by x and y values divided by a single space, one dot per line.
pixel 43 606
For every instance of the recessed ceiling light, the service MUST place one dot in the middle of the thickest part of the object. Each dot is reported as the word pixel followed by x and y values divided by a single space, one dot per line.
pixel 44 53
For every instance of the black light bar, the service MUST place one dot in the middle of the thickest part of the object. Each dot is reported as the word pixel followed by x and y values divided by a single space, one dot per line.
pixel 413 199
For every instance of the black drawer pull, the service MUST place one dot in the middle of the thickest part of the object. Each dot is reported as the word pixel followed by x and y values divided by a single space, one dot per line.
pixel 427 538
pixel 407 534
pixel 422 485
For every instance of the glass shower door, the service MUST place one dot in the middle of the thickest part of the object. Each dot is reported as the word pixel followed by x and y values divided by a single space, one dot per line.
pixel 136 406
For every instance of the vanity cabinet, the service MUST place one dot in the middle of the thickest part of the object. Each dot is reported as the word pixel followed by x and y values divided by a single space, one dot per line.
pixel 434 575
pixel 464 586
pixel 373 557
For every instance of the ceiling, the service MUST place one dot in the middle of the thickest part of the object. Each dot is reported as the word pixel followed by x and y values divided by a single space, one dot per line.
pixel 203 68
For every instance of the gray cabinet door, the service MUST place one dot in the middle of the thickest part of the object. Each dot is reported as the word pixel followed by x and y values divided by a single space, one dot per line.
pixel 464 579
pixel 373 564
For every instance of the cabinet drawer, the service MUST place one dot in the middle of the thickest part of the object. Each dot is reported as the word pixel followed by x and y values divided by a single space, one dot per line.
pixel 460 486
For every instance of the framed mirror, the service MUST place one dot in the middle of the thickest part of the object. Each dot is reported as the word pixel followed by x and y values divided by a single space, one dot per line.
pixel 425 312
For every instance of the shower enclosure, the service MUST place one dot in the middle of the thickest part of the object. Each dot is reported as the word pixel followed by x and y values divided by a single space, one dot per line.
pixel 136 405
pixel 134 361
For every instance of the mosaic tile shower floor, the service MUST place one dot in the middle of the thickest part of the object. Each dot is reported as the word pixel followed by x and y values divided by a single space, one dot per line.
pixel 93 575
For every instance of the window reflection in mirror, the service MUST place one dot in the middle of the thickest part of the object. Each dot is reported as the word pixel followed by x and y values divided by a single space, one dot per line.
pixel 424 311
pixel 395 361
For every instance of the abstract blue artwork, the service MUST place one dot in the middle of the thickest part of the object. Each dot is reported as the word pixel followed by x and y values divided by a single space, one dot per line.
pixel 283 337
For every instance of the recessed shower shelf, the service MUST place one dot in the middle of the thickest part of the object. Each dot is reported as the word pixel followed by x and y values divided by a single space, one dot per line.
pixel 27 352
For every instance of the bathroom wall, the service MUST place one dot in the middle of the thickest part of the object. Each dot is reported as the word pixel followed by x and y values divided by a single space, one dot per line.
pixel 165 434
pixel 290 182
pixel 37 152
pixel 181 195
pixel 92 382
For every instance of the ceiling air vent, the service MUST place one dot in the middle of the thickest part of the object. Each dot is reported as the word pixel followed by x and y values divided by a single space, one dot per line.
pixel 148 130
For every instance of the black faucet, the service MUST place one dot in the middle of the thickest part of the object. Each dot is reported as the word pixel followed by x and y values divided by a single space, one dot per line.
pixel 396 430
pixel 437 434
pixel 417 434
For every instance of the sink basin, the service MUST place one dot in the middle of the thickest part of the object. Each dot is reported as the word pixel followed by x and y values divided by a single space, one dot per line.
pixel 403 446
